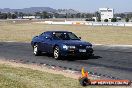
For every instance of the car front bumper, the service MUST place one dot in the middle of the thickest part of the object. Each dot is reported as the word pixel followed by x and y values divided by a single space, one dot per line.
pixel 77 53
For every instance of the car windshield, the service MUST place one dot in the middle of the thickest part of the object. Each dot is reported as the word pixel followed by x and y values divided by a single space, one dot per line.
pixel 65 36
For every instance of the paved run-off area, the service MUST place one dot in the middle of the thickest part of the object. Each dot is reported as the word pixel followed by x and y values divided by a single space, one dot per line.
pixel 116 62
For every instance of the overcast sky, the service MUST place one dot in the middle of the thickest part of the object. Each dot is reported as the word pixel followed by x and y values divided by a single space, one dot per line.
pixel 81 5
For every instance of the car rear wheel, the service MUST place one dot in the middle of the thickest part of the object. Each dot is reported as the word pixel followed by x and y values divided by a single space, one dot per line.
pixel 56 53
pixel 35 50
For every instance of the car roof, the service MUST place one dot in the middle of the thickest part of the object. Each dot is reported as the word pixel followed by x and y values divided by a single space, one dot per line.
pixel 58 31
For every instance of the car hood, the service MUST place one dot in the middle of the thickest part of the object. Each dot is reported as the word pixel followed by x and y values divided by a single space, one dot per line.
pixel 74 42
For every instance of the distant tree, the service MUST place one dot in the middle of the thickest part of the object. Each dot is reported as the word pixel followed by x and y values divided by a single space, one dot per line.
pixel 127 19
pixel 105 20
pixel 14 16
pixel 66 15
pixel 89 15
pixel 50 15
pixel 3 15
pixel 78 15
pixel 44 15
pixel 21 14
pixel 72 15
pixel 98 16
pixel 29 14
pixel 83 15
pixel 56 15
pixel 113 20
pixel 38 14
pixel 129 15
pixel 9 15
pixel 16 13
pixel 0 15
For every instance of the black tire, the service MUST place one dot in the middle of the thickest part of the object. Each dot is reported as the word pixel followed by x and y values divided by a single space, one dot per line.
pixel 36 51
pixel 56 53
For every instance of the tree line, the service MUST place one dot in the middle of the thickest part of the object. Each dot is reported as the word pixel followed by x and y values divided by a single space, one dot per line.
pixel 43 15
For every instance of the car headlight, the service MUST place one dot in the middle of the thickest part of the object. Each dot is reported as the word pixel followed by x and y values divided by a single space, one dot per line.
pixel 88 47
pixel 65 47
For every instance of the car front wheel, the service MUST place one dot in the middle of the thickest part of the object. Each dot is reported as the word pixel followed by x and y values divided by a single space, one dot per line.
pixel 35 50
pixel 56 53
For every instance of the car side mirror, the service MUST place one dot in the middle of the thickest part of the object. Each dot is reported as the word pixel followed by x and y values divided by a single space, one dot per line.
pixel 79 37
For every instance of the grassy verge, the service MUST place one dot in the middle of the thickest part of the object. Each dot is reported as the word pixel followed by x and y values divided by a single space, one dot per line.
pixel 26 78
pixel 16 77
pixel 94 34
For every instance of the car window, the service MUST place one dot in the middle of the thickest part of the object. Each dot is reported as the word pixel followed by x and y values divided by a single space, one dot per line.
pixel 64 36
pixel 45 35
pixel 56 36
pixel 73 36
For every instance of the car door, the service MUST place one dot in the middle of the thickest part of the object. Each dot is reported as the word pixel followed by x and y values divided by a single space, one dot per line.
pixel 42 42
pixel 48 43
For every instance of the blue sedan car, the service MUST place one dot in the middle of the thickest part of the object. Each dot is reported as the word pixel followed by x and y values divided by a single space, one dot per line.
pixel 61 43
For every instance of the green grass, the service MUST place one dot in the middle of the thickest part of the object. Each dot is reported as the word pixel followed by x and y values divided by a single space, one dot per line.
pixel 94 34
pixel 14 77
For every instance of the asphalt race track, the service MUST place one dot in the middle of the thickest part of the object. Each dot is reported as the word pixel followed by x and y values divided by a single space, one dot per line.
pixel 112 62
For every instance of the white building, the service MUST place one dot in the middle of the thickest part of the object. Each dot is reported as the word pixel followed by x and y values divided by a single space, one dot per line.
pixel 29 17
pixel 106 13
